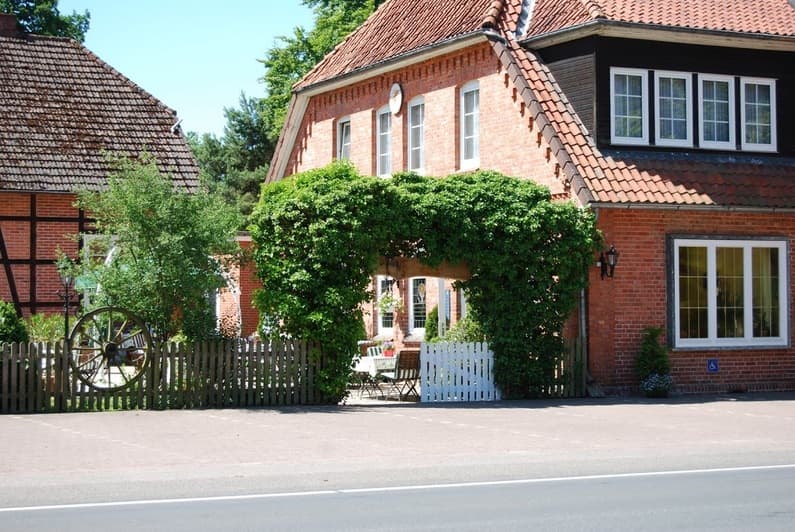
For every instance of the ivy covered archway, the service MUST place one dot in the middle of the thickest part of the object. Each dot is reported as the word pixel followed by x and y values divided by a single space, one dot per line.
pixel 319 236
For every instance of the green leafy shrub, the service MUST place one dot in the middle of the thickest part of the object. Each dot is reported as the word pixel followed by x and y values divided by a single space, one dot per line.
pixel 45 327
pixel 12 327
pixel 432 325
pixel 467 329
pixel 319 236
pixel 653 356
pixel 653 365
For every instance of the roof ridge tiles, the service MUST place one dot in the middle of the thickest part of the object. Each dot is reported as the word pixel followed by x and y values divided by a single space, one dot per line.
pixel 594 9
pixel 493 14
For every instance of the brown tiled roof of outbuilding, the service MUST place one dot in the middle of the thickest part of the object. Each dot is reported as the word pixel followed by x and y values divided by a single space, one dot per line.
pixel 766 17
pixel 65 110
pixel 398 27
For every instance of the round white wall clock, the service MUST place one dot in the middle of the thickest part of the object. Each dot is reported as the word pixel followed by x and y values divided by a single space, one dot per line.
pixel 395 98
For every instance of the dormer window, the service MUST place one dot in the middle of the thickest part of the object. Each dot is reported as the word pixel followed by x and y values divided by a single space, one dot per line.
pixel 678 97
pixel 673 110
pixel 629 122
pixel 716 116
pixel 758 112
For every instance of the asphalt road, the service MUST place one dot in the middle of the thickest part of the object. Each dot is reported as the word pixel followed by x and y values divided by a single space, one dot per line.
pixel 736 499
pixel 329 455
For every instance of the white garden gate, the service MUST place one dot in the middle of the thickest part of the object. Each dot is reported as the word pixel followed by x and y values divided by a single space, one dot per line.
pixel 457 371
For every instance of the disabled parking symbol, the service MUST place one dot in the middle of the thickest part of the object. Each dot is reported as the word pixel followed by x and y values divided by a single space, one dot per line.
pixel 712 365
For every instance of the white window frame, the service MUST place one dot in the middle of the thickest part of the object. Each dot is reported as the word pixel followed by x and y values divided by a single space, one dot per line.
pixel 416 102
pixel 749 146
pixel 473 162
pixel 342 123
pixel 687 142
pixel 384 331
pixel 712 340
pixel 644 75
pixel 418 331
pixel 381 169
pixel 715 144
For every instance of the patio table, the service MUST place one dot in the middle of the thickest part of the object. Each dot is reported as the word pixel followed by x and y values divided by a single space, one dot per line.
pixel 367 369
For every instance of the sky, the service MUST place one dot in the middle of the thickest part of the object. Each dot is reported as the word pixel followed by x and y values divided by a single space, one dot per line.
pixel 196 56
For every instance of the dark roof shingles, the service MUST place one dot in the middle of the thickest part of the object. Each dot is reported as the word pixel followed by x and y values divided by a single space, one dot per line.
pixel 65 110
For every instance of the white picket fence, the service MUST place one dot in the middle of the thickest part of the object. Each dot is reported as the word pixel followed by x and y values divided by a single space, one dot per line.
pixel 453 372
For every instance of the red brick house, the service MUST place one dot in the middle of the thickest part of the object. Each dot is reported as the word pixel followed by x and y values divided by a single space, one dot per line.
pixel 64 109
pixel 671 120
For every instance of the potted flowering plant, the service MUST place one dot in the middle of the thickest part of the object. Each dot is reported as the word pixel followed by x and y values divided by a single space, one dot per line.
pixel 388 302
pixel 653 365
pixel 388 348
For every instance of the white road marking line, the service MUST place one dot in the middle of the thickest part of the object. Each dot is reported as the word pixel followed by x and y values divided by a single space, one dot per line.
pixel 145 502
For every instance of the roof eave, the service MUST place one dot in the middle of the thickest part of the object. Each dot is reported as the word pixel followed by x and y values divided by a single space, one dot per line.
pixel 301 96
pixel 689 207
pixel 655 32
pixel 405 59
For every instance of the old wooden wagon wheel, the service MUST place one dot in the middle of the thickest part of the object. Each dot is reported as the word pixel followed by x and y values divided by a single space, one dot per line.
pixel 110 348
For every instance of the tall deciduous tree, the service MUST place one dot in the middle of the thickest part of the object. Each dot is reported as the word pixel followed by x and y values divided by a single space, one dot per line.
pixel 288 61
pixel 236 163
pixel 169 247
pixel 43 17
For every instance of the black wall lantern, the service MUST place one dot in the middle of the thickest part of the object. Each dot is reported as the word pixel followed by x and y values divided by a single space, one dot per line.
pixel 608 261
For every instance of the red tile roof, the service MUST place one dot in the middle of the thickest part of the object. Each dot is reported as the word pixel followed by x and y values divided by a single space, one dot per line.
pixel 617 177
pixel 398 27
pixel 769 17
pixel 64 109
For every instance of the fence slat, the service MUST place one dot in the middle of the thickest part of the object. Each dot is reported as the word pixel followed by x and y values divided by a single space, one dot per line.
pixel 452 371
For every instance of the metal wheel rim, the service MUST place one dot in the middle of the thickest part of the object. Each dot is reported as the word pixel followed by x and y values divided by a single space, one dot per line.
pixel 110 348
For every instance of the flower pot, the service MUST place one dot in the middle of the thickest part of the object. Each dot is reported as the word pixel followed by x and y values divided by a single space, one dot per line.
pixel 389 352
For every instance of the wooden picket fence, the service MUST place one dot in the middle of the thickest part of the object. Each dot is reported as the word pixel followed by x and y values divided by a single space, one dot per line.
pixel 457 371
pixel 39 378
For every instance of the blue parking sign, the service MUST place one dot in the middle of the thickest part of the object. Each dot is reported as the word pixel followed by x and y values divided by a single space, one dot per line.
pixel 712 365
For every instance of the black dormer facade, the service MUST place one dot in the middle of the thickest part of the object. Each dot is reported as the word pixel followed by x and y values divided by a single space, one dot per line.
pixel 650 95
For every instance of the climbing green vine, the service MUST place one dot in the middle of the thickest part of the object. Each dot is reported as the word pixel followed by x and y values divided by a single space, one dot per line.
pixel 319 236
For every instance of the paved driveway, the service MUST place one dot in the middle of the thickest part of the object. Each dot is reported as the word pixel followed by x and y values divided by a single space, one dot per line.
pixel 57 458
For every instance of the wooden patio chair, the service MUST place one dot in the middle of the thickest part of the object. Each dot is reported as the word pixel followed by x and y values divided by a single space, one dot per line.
pixel 406 376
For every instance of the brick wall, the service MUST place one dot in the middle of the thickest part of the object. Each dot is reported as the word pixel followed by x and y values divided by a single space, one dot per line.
pixel 619 308
pixel 508 141
pixel 249 284
pixel 32 246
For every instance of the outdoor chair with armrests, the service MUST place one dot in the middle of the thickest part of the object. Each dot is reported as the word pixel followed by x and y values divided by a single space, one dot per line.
pixel 406 375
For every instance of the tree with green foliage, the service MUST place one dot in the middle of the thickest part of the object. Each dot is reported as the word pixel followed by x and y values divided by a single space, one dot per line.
pixel 42 17
pixel 235 165
pixel 295 55
pixel 320 235
pixel 170 248
pixel 12 327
